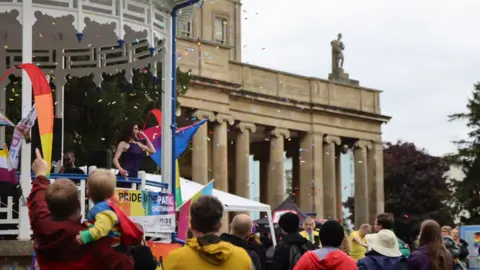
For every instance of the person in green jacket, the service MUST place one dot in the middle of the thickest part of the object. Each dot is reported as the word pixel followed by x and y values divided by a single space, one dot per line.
pixel 386 221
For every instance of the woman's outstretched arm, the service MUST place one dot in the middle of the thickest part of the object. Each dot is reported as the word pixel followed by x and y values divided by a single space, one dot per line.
pixel 121 147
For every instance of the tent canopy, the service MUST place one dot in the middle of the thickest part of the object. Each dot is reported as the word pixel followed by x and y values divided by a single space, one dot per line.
pixel 286 206
pixel 230 202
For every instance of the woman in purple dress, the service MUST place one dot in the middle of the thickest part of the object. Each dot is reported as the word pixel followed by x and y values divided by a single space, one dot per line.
pixel 131 151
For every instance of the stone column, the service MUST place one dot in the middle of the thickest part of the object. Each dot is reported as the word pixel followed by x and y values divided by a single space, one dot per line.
pixel 242 158
pixel 264 166
pixel 338 184
pixel 220 154
pixel 200 148
pixel 329 177
pixel 276 179
pixel 317 155
pixel 361 184
pixel 376 203
pixel 220 158
pixel 306 194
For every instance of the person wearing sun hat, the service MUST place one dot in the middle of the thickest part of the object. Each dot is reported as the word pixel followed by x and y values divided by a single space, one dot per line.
pixel 383 253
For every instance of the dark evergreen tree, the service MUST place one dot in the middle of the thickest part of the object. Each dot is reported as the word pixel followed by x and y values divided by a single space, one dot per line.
pixel 467 191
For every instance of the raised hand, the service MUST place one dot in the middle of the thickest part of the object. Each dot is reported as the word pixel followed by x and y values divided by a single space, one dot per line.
pixel 39 165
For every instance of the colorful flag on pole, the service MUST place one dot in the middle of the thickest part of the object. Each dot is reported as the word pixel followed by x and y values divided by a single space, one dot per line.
pixel 7 172
pixel 44 104
pixel 4 121
pixel 184 216
pixel 178 190
pixel 182 139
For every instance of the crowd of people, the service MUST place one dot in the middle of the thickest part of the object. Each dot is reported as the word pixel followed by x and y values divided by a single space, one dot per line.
pixel 109 240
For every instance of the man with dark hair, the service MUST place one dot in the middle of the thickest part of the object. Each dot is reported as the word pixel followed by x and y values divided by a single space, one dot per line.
pixel 206 250
pixel 385 221
pixel 240 230
pixel 55 220
pixel 292 246
pixel 329 257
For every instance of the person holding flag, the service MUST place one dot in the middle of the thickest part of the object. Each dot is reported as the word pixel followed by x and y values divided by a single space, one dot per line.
pixel 131 152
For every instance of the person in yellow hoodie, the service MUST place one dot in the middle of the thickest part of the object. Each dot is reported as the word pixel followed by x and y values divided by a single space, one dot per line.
pixel 205 250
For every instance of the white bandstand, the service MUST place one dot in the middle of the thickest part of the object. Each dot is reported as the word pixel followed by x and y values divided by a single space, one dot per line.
pixel 54 33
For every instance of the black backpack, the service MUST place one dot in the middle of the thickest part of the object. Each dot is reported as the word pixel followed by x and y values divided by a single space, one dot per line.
pixel 296 252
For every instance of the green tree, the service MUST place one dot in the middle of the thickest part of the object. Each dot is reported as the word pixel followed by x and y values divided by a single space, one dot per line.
pixel 94 116
pixel 467 191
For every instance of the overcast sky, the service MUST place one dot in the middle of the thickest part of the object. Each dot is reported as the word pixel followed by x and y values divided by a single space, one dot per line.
pixel 424 55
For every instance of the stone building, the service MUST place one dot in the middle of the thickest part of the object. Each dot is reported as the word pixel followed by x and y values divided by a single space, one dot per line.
pixel 262 112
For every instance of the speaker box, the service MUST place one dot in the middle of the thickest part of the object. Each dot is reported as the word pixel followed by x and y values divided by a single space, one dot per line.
pixel 100 158
pixel 57 139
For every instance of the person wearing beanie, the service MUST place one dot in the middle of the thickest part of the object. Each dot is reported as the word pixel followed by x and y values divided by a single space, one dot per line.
pixel 292 246
pixel 330 256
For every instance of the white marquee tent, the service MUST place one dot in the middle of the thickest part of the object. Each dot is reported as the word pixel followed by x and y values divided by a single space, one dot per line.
pixel 231 203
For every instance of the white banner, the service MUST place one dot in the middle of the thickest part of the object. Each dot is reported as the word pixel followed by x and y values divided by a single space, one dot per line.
pixel 22 131
pixel 156 224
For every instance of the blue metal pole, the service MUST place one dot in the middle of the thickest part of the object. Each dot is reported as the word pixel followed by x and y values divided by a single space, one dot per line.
pixel 174 94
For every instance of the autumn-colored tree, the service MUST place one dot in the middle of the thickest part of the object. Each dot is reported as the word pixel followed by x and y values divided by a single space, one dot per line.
pixel 415 188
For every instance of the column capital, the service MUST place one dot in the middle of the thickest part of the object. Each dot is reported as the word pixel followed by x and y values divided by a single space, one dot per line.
pixel 362 144
pixel 329 139
pixel 279 132
pixel 245 126
pixel 220 118
pixel 201 114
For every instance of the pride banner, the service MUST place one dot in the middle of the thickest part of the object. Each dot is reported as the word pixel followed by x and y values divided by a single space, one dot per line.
pixel 155 211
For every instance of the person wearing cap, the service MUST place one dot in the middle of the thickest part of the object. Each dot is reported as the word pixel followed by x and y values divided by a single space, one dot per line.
pixel 383 253
pixel 330 256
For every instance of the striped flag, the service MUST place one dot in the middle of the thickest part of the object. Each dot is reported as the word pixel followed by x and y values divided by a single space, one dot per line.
pixel 178 190
pixel 184 216
pixel 7 172
pixel 4 121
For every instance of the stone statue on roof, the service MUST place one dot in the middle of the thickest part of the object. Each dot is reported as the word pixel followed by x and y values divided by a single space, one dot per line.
pixel 337 53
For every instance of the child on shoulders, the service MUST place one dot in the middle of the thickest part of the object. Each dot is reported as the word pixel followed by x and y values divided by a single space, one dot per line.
pixel 103 218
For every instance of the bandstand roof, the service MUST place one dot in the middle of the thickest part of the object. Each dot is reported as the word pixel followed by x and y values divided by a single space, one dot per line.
pixel 230 202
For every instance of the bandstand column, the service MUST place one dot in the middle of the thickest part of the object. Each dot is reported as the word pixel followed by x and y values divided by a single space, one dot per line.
pixel 306 194
pixel 220 154
pixel 329 177
pixel 317 155
pixel 25 152
pixel 276 173
pixel 242 158
pixel 3 97
pixel 200 148
pixel 361 181
pixel 376 203
pixel 60 108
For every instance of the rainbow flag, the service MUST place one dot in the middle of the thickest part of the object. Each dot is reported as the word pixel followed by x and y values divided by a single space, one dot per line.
pixel 184 216
pixel 4 121
pixel 178 190
pixel 7 172
pixel 44 105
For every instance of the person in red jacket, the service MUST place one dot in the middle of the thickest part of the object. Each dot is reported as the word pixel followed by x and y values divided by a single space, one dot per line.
pixel 329 257
pixel 55 221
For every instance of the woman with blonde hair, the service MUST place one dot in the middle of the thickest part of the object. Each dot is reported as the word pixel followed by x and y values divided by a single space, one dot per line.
pixel 309 231
pixel 431 254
